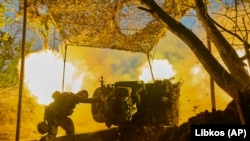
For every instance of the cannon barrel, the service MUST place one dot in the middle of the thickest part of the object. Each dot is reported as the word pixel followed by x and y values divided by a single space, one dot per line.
pixel 90 100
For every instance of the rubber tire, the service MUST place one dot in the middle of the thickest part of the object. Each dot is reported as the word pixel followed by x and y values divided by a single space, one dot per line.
pixel 95 107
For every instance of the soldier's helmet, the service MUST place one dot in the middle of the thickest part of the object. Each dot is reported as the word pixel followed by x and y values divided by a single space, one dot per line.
pixel 83 93
pixel 42 127
pixel 56 94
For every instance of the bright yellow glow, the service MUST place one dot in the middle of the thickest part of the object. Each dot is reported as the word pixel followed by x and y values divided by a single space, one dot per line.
pixel 241 53
pixel 195 70
pixel 161 70
pixel 44 75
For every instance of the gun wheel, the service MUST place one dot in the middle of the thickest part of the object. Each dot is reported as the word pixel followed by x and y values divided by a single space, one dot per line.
pixel 97 108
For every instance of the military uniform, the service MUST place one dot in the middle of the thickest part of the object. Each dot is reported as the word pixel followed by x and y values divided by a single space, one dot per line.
pixel 57 112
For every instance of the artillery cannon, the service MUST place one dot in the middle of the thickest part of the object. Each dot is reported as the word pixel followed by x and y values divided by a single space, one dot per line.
pixel 141 111
pixel 137 104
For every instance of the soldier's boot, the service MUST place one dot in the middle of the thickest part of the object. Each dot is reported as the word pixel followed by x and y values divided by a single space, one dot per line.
pixel 47 138
pixel 44 138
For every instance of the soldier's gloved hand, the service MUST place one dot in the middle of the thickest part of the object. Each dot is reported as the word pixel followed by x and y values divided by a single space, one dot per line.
pixel 83 94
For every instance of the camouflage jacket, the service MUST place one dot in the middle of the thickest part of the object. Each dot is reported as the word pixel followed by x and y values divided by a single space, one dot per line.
pixel 63 104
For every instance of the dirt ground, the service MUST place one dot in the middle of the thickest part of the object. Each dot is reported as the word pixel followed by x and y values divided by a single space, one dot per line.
pixel 229 116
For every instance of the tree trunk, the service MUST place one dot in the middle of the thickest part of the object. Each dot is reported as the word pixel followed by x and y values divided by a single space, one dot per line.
pixel 219 74
pixel 227 52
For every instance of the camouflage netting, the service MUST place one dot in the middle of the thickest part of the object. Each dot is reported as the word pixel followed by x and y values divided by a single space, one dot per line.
pixel 114 24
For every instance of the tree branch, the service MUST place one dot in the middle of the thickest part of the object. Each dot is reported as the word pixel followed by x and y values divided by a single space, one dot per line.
pixel 212 66
pixel 227 52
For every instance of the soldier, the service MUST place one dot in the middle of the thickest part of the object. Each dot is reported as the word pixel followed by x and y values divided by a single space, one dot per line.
pixel 57 113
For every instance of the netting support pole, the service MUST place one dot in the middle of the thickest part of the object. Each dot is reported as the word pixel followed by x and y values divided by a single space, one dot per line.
pixel 150 66
pixel 64 65
pixel 213 101
pixel 22 71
